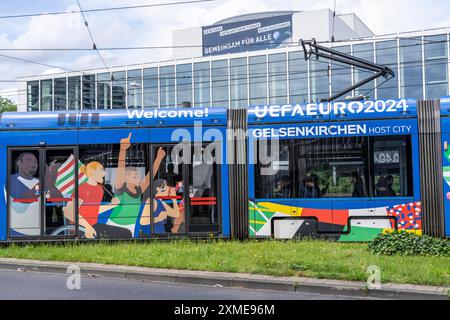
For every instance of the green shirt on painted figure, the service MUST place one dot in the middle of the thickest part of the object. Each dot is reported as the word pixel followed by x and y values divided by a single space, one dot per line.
pixel 127 212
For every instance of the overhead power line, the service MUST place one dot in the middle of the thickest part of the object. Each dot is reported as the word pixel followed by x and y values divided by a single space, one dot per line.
pixel 334 21
pixel 27 15
pixel 94 46
pixel 37 63
pixel 293 44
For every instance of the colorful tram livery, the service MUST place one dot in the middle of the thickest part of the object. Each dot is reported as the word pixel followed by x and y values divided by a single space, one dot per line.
pixel 346 171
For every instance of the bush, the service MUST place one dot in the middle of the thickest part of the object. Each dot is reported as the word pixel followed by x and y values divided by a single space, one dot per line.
pixel 401 243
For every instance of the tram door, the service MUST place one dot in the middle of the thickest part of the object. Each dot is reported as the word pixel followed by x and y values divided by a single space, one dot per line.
pixel 183 191
pixel 41 183
pixel 168 196
pixel 202 182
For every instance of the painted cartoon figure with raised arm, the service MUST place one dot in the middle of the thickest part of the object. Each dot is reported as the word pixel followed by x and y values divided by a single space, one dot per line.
pixel 129 188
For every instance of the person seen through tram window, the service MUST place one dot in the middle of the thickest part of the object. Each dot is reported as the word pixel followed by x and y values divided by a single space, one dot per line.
pixel 380 187
pixel 320 193
pixel 358 185
pixel 283 188
pixel 389 190
pixel 384 187
pixel 170 176
pixel 308 189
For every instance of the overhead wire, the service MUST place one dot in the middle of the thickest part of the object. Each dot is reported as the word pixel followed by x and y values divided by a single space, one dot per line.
pixel 289 44
pixel 37 63
pixel 155 47
pixel 94 45
pixel 28 15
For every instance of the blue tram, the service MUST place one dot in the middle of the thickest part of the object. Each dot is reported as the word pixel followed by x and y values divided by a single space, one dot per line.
pixel 344 170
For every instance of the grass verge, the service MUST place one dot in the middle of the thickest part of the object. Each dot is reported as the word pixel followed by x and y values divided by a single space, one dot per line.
pixel 315 259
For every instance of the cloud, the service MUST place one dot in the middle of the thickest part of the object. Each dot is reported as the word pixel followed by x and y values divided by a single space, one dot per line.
pixel 154 26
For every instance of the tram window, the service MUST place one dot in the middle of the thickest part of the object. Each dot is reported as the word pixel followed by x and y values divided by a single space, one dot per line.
pixel 391 166
pixel 113 188
pixel 167 193
pixel 347 167
pixel 273 178
pixel 24 194
pixel 331 168
pixel 59 188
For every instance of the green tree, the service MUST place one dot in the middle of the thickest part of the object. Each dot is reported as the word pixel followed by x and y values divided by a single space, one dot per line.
pixel 7 105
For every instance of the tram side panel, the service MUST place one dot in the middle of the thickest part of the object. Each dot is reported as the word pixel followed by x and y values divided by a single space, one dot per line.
pixel 32 159
pixel 298 200
pixel 197 171
pixel 446 170
pixel 3 197
pixel 109 208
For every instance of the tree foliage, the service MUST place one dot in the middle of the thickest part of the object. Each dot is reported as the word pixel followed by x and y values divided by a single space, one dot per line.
pixel 7 105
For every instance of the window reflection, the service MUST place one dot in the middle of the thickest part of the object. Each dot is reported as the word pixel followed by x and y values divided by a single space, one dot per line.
pixel 238 76
pixel 298 78
pixel 46 95
pixel 319 79
pixel 277 78
pixel 436 74
pixel 331 168
pixel 118 90
pixel 411 74
pixel 366 52
pixel 89 92
pixel 104 91
pixel 201 84
pixel 74 93
pixel 348 167
pixel 258 80
pixel 151 88
pixel 134 89
pixel 274 172
pixel 184 85
pixel 219 71
pixel 33 96
pixel 341 74
pixel 167 86
pixel 386 53
pixel 60 94
pixel 391 166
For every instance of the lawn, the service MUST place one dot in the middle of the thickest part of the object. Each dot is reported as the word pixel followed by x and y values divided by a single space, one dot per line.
pixel 316 259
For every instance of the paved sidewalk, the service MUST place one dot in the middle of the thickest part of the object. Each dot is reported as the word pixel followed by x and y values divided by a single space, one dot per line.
pixel 233 280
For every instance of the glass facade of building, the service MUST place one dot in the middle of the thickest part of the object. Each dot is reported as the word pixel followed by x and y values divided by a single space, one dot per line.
pixel 279 76
pixel 150 85
pixel 220 82
pixel 33 95
pixel 258 79
pixel 118 89
pixel 277 71
pixel 364 51
pixel 74 93
pixel 104 91
pixel 298 77
pixel 387 54
pixel 184 85
pixel 202 87
pixel 134 89
pixel 167 86
pixel 89 92
pixel 436 65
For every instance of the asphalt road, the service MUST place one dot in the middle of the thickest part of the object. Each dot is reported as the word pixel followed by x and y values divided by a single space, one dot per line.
pixel 19 285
